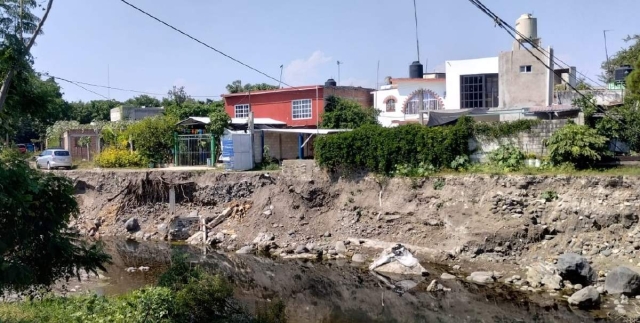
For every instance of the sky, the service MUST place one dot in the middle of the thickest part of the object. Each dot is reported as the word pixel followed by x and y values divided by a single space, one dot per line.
pixel 106 42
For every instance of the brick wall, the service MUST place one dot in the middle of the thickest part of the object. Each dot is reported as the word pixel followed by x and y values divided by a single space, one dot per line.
pixel 529 142
pixel 70 143
pixel 358 94
pixel 282 146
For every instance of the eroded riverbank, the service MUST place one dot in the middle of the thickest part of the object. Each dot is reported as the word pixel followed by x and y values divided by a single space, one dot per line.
pixel 507 224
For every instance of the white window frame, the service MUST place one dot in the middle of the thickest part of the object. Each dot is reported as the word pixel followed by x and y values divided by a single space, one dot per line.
pixel 298 110
pixel 526 69
pixel 244 113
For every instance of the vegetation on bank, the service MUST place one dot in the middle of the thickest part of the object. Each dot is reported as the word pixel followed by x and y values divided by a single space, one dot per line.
pixel 185 294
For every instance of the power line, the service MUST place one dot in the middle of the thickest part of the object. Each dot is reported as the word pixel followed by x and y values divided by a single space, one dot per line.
pixel 82 87
pixel 203 43
pixel 499 21
pixel 502 25
pixel 125 90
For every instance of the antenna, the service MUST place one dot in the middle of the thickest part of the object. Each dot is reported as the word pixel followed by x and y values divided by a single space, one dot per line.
pixel 415 12
pixel 606 51
pixel 280 82
pixel 378 75
pixel 108 82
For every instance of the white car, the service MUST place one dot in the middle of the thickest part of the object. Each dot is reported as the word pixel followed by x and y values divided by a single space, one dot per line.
pixel 54 158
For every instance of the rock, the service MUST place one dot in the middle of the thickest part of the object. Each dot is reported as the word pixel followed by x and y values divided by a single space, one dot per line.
pixel 263 238
pixel 578 287
pixel 432 286
pixel 132 225
pixel 400 269
pixel 301 249
pixel 143 268
pixel 606 253
pixel 456 267
pixel 358 258
pixel 406 285
pixel 340 247
pixel 196 238
pixel 447 276
pixel 333 252
pixel 586 298
pixel 327 234
pixel 245 250
pixel 220 237
pixel 600 289
pixel 131 269
pixel 541 274
pixel 622 280
pixel 576 269
pixel 481 277
pixel 310 246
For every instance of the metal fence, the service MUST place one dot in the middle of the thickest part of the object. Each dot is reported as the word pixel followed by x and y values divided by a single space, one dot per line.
pixel 194 150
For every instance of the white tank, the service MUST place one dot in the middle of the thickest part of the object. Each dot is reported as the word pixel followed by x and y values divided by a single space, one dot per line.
pixel 527 25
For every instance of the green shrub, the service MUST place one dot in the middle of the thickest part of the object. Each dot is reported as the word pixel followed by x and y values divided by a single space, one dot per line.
pixel 116 158
pixel 549 195
pixel 578 145
pixel 381 150
pixel 498 130
pixel 154 137
pixel 460 163
pixel 422 170
pixel 438 184
pixel 507 157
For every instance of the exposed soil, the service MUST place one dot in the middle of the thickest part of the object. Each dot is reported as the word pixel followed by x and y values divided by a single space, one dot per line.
pixel 486 222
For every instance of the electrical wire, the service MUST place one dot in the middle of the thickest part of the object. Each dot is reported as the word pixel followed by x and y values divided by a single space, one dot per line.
pixel 203 43
pixel 502 24
pixel 499 21
pixel 82 87
pixel 125 90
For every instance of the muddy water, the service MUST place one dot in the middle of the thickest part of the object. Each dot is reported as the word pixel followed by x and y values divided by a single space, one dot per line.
pixel 335 291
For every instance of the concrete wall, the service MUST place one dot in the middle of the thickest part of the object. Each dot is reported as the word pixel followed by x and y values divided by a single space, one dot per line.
pixel 455 69
pixel 282 146
pixel 358 94
pixel 529 142
pixel 401 93
pixel 519 90
pixel 131 113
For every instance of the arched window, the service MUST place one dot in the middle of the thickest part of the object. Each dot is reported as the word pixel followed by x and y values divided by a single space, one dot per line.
pixel 430 99
pixel 391 105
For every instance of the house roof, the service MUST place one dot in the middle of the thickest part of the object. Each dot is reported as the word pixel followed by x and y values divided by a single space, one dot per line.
pixel 307 131
pixel 290 89
pixel 192 121
pixel 421 80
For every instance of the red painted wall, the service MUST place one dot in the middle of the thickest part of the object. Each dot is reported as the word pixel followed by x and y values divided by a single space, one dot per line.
pixel 277 105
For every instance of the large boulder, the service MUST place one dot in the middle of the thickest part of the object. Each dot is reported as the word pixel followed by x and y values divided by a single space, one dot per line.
pixel 400 269
pixel 576 269
pixel 622 280
pixel 586 298
pixel 132 225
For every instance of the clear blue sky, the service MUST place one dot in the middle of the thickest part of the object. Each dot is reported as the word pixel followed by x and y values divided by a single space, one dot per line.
pixel 83 37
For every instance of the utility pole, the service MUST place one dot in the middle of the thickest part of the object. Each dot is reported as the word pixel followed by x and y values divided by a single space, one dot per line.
pixel 606 51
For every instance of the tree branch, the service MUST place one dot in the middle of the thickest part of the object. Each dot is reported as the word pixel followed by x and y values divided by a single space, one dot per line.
pixel 6 82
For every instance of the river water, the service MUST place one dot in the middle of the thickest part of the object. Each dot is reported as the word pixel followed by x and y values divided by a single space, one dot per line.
pixel 336 291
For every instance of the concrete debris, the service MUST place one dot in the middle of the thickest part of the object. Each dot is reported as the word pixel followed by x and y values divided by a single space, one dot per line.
pixel 398 260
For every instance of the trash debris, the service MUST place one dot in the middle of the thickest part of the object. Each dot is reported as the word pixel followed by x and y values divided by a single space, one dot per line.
pixel 398 260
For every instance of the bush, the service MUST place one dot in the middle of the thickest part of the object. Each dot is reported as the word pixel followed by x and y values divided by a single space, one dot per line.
pixel 460 163
pixel 154 137
pixel 116 158
pixel 507 157
pixel 578 145
pixel 498 130
pixel 381 150
pixel 549 195
pixel 422 170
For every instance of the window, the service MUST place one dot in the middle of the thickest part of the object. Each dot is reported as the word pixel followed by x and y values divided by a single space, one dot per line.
pixel 301 109
pixel 391 105
pixel 242 110
pixel 479 91
pixel 63 153
pixel 431 102
pixel 525 69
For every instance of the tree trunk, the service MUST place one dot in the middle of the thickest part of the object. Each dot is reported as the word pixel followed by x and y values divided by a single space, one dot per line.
pixel 6 82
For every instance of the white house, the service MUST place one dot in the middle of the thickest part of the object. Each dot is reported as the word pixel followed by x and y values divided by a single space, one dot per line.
pixel 472 83
pixel 398 102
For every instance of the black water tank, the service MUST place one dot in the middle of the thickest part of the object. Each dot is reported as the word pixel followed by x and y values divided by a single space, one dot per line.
pixel 416 70
pixel 330 82
pixel 621 73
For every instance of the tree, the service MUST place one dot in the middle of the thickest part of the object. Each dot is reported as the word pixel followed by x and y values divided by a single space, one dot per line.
pixel 17 13
pixel 154 138
pixel 626 56
pixel 85 141
pixel 633 83
pixel 193 109
pixel 95 110
pixel 236 87
pixel 143 101
pixel 178 95
pixel 579 145
pixel 346 114
pixel 37 246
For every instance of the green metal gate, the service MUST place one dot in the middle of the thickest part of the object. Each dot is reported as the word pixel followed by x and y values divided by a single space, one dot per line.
pixel 194 150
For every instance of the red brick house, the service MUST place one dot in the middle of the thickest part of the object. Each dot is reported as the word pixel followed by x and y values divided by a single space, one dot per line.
pixel 297 106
